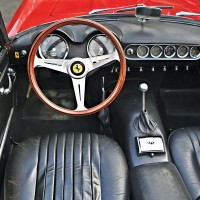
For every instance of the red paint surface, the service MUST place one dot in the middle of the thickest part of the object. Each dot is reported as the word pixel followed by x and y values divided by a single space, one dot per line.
pixel 34 12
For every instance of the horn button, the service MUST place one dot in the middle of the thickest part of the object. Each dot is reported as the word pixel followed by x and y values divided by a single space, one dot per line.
pixel 77 69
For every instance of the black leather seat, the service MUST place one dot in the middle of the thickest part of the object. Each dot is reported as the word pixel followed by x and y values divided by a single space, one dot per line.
pixel 67 166
pixel 185 150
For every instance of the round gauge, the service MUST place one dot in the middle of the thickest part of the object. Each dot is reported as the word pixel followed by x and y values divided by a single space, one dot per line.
pixel 54 47
pixel 170 51
pixel 195 52
pixel 156 51
pixel 100 45
pixel 182 51
pixel 142 51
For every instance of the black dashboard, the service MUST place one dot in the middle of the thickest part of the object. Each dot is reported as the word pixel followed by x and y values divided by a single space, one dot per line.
pixel 165 40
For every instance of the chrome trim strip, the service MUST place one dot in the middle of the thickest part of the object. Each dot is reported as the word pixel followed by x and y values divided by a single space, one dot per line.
pixel 5 133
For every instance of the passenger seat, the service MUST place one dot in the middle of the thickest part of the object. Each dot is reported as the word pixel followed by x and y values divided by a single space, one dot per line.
pixel 185 151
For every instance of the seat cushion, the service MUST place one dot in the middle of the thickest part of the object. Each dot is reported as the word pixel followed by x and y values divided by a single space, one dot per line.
pixel 185 150
pixel 67 166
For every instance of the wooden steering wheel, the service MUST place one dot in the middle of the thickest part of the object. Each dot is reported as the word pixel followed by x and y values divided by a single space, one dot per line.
pixel 69 66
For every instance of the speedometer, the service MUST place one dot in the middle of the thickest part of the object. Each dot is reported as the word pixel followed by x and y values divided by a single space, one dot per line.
pixel 100 45
pixel 54 47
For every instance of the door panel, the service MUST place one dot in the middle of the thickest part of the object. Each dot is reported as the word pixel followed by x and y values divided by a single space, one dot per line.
pixel 6 97
pixel 6 101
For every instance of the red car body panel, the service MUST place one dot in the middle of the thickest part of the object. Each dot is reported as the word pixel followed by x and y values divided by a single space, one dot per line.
pixel 34 12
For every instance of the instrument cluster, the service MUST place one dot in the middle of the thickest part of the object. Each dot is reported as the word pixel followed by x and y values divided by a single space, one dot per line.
pixel 162 52
pixel 56 46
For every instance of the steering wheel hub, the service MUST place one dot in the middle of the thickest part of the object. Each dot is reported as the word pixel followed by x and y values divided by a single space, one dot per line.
pixel 78 68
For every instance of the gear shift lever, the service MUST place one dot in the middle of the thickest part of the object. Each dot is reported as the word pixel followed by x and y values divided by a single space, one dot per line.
pixel 143 123
pixel 143 88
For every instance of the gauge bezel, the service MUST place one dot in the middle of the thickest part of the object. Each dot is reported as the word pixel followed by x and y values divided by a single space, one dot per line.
pixel 188 50
pixel 196 57
pixel 96 35
pixel 145 54
pixel 160 52
pixel 54 34
pixel 166 56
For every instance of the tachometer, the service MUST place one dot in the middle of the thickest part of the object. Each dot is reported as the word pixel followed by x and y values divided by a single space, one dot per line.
pixel 182 51
pixel 100 45
pixel 54 47
pixel 195 52
pixel 170 51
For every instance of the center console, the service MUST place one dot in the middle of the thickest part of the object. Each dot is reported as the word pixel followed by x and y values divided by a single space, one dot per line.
pixel 137 127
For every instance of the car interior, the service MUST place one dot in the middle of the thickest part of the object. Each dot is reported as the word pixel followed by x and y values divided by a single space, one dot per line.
pixel 103 106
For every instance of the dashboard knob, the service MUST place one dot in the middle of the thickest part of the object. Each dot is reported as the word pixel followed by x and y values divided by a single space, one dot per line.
pixel 143 87
pixel 129 51
pixel 23 53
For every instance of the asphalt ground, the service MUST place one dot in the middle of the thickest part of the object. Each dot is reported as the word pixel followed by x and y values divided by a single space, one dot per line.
pixel 8 7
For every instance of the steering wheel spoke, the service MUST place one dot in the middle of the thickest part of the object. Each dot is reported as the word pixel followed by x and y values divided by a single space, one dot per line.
pixel 59 65
pixel 79 90
pixel 100 61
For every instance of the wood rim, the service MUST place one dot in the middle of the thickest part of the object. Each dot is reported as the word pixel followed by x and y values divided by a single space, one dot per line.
pixel 32 77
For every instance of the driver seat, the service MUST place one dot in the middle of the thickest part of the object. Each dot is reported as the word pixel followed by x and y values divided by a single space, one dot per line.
pixel 67 166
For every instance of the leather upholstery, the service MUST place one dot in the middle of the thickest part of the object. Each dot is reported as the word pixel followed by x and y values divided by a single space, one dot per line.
pixel 67 166
pixel 185 150
pixel 158 181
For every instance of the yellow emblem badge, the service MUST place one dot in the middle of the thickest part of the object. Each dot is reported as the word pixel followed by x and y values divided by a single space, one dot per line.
pixel 17 56
pixel 77 68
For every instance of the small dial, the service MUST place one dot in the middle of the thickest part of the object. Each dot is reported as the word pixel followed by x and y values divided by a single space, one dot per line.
pixel 182 51
pixel 170 51
pixel 195 52
pixel 156 51
pixel 142 51
pixel 100 45
pixel 54 47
